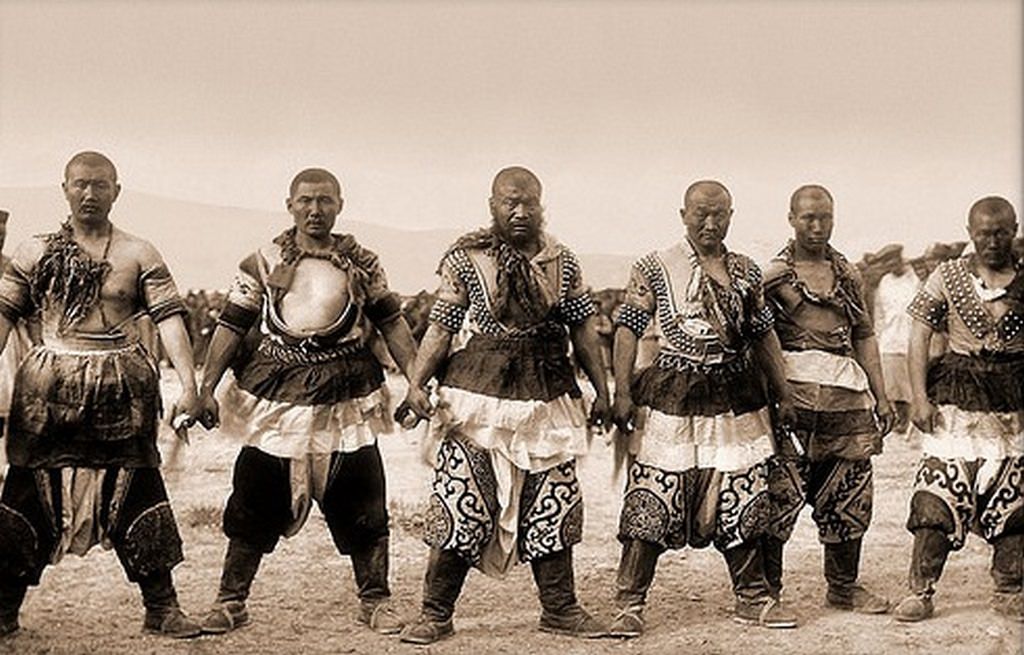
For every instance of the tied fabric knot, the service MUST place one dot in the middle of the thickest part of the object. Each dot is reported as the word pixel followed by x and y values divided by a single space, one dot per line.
pixel 515 278
pixel 721 309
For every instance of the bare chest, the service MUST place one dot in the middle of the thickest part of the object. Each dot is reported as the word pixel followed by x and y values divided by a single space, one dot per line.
pixel 817 276
pixel 317 296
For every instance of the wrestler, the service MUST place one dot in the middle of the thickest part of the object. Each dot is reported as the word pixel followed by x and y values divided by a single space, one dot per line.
pixel 969 405
pixel 697 419
pixel 84 465
pixel 842 411
pixel 510 421
pixel 309 403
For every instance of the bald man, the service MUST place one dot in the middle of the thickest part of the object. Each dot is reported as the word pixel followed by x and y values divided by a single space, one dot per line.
pixel 969 405
pixel 696 420
pixel 310 403
pixel 510 422
pixel 84 465
pixel 833 365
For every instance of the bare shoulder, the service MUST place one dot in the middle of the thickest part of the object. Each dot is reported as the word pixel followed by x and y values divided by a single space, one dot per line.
pixel 29 252
pixel 137 249
pixel 775 271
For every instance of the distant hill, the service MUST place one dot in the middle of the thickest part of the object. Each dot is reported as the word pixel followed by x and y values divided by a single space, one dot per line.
pixel 203 243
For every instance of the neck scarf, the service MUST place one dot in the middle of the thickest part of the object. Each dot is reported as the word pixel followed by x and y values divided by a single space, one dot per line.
pixel 515 279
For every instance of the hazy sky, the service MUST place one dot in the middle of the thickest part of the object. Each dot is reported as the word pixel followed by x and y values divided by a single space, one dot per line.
pixel 907 110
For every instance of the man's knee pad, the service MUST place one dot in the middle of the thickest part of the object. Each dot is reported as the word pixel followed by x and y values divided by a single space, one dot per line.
pixel 929 511
pixel 19 547
pixel 150 543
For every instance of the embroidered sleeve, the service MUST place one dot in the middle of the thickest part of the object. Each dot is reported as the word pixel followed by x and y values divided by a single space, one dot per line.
pixel 245 297
pixel 930 305
pixel 449 309
pixel 382 304
pixel 576 305
pixel 158 292
pixel 15 296
pixel 760 318
pixel 637 308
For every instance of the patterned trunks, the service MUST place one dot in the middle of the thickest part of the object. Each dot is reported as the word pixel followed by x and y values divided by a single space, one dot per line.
pixel 983 496
pixel 839 490
pixel 85 403
pixel 695 507
pixel 464 507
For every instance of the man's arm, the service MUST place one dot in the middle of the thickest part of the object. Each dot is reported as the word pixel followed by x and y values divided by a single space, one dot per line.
pixel 179 352
pixel 15 302
pixel 865 351
pixel 768 353
pixel 588 351
pixel 922 412
pixel 222 348
pixel 623 359
pixel 432 352
pixel 401 345
pixel 5 330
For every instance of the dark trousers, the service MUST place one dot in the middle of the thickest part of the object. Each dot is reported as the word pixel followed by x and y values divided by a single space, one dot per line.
pixel 258 511
pixel 134 514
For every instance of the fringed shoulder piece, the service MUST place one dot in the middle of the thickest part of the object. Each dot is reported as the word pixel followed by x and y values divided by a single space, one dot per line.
pixel 67 276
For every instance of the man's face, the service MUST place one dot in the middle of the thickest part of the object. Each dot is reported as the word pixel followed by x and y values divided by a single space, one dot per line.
pixel 811 219
pixel 706 216
pixel 315 206
pixel 992 236
pixel 516 209
pixel 90 190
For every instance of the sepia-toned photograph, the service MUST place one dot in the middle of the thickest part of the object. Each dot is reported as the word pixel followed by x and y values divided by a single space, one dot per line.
pixel 506 326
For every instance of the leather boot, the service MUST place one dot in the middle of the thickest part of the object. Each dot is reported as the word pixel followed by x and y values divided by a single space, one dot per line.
pixel 842 564
pixel 446 572
pixel 163 615
pixel 1008 574
pixel 931 548
pixel 12 594
pixel 636 573
pixel 556 588
pixel 241 562
pixel 370 566
pixel 754 605
pixel 771 554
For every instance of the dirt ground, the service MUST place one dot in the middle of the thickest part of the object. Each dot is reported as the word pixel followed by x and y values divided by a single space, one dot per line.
pixel 304 600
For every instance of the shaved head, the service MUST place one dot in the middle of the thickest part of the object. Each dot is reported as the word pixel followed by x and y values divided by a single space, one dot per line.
pixel 711 188
pixel 992 206
pixel 314 176
pixel 812 190
pixel 515 176
pixel 90 158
